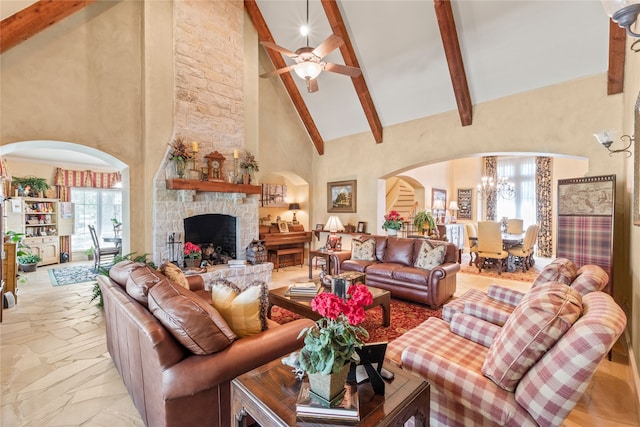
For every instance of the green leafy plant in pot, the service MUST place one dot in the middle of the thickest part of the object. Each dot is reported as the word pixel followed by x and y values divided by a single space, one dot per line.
pixel 424 218
pixel 29 262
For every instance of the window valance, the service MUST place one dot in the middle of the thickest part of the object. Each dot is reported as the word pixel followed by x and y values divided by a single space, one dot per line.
pixel 87 178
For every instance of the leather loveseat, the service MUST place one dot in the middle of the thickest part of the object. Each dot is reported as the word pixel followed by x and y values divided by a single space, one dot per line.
pixel 394 269
pixel 170 383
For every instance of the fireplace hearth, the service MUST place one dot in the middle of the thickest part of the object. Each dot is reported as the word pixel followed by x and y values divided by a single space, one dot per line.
pixel 215 234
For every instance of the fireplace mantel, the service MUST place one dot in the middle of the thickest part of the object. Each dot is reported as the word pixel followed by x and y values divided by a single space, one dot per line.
pixel 212 186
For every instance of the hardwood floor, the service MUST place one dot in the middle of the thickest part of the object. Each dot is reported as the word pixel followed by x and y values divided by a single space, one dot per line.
pixel 55 368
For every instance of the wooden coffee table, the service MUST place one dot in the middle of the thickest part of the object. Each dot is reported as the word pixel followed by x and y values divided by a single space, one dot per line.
pixel 268 394
pixel 302 306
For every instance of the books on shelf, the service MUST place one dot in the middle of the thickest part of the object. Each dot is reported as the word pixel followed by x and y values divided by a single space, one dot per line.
pixel 304 289
pixel 309 405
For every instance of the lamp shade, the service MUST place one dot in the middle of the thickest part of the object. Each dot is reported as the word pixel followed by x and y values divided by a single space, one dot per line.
pixel 453 206
pixel 438 205
pixel 334 224
pixel 308 70
pixel 294 206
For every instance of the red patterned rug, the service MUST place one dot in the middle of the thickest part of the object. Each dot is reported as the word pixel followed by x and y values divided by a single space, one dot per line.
pixel 404 316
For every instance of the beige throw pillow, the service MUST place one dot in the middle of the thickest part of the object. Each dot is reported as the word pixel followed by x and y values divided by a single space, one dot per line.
pixel 363 250
pixel 430 256
pixel 174 273
pixel 244 310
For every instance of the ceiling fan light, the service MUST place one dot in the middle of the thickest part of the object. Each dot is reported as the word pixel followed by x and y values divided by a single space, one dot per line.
pixel 304 30
pixel 308 70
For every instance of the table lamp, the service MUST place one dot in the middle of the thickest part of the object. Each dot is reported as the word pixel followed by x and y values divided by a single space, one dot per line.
pixel 294 207
pixel 438 207
pixel 333 225
pixel 453 207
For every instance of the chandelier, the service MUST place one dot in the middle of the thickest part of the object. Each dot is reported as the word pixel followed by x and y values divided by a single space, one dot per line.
pixel 502 188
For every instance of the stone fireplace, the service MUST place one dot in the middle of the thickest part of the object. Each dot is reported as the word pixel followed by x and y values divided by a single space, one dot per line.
pixel 215 234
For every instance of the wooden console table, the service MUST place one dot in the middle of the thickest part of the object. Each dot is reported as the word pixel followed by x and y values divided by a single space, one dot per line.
pixel 268 394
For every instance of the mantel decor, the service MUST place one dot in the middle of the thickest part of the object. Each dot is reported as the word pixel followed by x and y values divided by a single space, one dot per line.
pixel 215 161
pixel 341 196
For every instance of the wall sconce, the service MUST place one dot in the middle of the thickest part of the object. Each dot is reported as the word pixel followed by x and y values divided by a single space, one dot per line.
pixel 294 207
pixel 606 140
pixel 623 12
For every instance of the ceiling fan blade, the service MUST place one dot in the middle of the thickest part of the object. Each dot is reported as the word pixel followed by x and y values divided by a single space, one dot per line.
pixel 342 69
pixel 332 42
pixel 277 72
pixel 312 85
pixel 280 49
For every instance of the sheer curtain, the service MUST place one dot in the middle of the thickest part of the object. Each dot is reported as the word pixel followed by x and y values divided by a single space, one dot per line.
pixel 521 171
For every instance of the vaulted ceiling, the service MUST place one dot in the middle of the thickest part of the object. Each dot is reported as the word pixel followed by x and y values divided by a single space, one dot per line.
pixel 418 57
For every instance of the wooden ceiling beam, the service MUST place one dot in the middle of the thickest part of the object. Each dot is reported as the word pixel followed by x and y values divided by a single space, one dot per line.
pixel 617 46
pixel 264 34
pixel 30 21
pixel 349 55
pixel 451 44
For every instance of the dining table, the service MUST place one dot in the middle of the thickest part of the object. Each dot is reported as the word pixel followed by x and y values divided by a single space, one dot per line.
pixel 509 240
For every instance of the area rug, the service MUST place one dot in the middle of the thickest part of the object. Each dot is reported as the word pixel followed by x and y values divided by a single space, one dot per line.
pixel 518 275
pixel 71 275
pixel 404 316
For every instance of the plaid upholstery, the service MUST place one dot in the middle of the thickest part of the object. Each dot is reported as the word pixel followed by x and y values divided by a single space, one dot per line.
pixel 586 240
pixel 536 324
pixel 452 365
pixel 559 270
pixel 590 278
pixel 477 330
pixel 473 295
pixel 551 389
pixel 486 312
pixel 462 396
pixel 506 295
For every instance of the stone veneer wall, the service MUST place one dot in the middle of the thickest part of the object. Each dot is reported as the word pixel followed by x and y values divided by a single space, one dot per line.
pixel 209 108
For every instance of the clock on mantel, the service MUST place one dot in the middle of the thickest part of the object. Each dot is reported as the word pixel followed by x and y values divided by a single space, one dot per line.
pixel 211 186
pixel 215 161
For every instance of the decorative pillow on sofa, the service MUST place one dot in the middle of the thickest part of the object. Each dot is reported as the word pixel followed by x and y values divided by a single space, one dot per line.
pixel 590 278
pixel 560 270
pixel 244 310
pixel 121 271
pixel 430 255
pixel 189 318
pixel 363 250
pixel 140 282
pixel 173 272
pixel 537 323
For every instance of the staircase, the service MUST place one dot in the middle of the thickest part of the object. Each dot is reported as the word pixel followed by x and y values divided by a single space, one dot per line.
pixel 400 197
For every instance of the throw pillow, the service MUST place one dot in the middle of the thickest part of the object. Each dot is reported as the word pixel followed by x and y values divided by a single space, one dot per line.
pixel 430 256
pixel 121 271
pixel 245 310
pixel 363 250
pixel 173 272
pixel 189 318
pixel 590 278
pixel 140 281
pixel 537 323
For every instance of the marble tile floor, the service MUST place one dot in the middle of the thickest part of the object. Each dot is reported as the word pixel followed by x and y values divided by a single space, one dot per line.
pixel 55 369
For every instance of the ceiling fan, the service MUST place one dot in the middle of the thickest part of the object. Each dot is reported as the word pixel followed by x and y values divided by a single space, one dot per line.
pixel 309 62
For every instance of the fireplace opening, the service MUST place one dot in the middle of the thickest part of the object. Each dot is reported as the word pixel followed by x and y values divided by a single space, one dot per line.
pixel 215 234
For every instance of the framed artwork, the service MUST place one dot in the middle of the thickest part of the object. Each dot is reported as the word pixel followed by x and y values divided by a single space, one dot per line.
pixel 362 227
pixel 283 227
pixel 319 227
pixel 274 196
pixel 437 194
pixel 465 205
pixel 341 196
pixel 590 196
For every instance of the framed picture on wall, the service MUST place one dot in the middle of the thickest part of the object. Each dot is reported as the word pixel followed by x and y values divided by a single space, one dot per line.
pixel 465 203
pixel 341 196
pixel 437 194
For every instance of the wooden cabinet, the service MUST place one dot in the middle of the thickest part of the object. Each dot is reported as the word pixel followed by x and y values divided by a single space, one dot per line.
pixel 40 221
pixel 10 269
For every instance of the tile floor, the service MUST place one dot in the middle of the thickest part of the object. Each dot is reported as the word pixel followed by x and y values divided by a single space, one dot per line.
pixel 56 371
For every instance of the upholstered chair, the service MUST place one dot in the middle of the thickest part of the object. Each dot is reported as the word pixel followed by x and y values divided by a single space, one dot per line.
pixel 471 235
pixel 515 226
pixel 522 252
pixel 490 245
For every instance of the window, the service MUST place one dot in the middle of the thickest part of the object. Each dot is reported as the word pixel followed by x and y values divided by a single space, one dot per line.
pixel 94 206
pixel 521 171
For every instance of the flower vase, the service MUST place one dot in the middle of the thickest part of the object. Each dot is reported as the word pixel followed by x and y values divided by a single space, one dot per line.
pixel 181 167
pixel 246 178
pixel 192 262
pixel 329 386
pixel 391 232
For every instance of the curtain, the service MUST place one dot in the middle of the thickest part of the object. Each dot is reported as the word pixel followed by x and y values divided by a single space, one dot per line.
pixel 543 205
pixel 490 170
pixel 521 172
pixel 88 178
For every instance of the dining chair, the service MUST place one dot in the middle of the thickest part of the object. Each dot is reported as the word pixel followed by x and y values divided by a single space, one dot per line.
pixel 522 252
pixel 472 241
pixel 531 261
pixel 515 226
pixel 101 254
pixel 490 249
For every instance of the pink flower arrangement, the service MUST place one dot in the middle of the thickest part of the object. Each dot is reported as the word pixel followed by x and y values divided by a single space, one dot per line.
pixel 192 251
pixel 393 220
pixel 331 342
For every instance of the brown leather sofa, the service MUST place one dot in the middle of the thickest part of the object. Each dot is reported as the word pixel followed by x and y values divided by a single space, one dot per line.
pixel 168 383
pixel 394 270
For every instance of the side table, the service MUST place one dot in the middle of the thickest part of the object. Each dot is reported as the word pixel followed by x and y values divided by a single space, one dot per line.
pixel 327 255
pixel 268 394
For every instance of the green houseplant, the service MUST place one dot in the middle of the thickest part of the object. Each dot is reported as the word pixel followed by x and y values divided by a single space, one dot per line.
pixel 29 261
pixel 37 185
pixel 424 218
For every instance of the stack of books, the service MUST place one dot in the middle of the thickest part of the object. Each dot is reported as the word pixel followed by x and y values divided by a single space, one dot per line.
pixel 309 405
pixel 305 289
pixel 235 263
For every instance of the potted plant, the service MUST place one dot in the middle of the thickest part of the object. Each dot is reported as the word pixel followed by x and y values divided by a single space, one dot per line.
pixel 117 226
pixel 330 344
pixel 29 262
pixel 249 165
pixel 393 222
pixel 192 255
pixel 30 185
pixel 89 253
pixel 180 154
pixel 424 218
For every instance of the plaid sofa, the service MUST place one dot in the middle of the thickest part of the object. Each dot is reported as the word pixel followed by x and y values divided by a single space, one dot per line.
pixel 496 305
pixel 452 357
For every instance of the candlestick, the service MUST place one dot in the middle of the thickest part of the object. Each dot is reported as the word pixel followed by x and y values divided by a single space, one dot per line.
pixel 194 146
pixel 235 153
